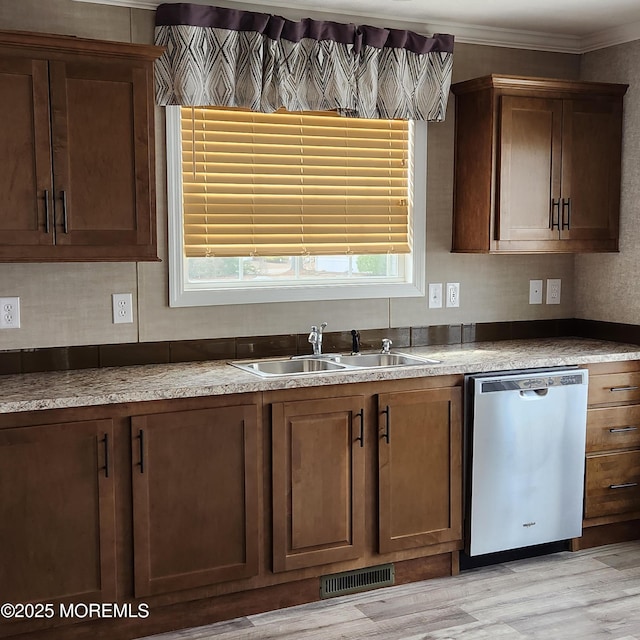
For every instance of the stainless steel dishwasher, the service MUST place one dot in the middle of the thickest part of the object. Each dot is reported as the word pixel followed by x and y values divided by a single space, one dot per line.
pixel 527 450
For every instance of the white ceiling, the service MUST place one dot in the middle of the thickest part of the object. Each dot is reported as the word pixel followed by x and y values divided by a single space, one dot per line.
pixel 558 25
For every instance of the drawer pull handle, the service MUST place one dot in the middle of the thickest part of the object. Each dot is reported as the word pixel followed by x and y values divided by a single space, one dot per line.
pixel 625 485
pixel 622 429
pixel 630 388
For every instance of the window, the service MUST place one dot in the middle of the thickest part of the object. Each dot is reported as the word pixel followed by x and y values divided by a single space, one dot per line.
pixel 284 206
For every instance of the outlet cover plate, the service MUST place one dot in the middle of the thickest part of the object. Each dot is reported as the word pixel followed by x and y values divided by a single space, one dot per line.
pixel 122 305
pixel 554 286
pixel 9 313
pixel 453 294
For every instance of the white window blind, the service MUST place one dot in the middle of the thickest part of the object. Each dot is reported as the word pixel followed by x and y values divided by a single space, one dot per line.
pixel 284 184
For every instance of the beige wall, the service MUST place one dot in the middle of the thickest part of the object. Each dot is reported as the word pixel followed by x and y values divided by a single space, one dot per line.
pixel 69 304
pixel 608 285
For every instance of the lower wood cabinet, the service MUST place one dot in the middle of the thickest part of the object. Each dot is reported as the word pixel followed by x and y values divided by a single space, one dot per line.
pixel 612 469
pixel 420 468
pixel 319 486
pixel 195 498
pixel 318 481
pixel 612 484
pixel 57 517
pixel 167 502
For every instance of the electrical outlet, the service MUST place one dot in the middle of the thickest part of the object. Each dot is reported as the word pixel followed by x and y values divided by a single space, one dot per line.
pixel 122 308
pixel 553 290
pixel 453 294
pixel 435 295
pixel 9 313
pixel 535 291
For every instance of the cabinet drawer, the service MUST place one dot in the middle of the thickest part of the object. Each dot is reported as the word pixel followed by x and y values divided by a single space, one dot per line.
pixel 614 388
pixel 612 484
pixel 613 428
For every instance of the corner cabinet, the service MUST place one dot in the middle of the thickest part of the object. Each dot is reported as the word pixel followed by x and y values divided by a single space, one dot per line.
pixel 537 165
pixel 76 149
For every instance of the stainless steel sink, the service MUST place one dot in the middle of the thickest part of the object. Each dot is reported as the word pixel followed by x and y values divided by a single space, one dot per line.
pixel 280 367
pixel 269 367
pixel 369 360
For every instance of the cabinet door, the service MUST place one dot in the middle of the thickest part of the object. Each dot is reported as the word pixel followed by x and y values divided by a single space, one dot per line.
pixel 530 168
pixel 318 482
pixel 101 110
pixel 591 152
pixel 195 491
pixel 57 518
pixel 25 159
pixel 420 468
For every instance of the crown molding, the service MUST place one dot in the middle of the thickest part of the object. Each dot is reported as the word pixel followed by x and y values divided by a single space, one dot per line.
pixel 464 33
pixel 611 37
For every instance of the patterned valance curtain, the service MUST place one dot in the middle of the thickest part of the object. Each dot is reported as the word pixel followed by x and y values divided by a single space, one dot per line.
pixel 225 57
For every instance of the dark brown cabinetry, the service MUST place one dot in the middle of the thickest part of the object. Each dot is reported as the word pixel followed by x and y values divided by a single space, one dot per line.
pixel 76 149
pixel 57 516
pixel 420 468
pixel 320 492
pixel 318 482
pixel 195 492
pixel 537 165
pixel 193 508
pixel 612 476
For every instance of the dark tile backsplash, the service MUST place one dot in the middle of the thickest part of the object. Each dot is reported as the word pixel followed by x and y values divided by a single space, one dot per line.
pixel 112 355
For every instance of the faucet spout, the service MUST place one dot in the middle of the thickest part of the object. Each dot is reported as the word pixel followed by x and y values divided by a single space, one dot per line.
pixel 315 338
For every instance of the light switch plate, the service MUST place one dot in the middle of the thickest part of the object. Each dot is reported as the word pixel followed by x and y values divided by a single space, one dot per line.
pixel 435 295
pixel 535 291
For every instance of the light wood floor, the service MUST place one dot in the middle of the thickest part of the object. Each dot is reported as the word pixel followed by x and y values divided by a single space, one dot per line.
pixel 585 595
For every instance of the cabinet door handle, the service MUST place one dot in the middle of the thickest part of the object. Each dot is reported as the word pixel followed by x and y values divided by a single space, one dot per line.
pixel 360 438
pixel 65 221
pixel 387 434
pixel 629 388
pixel 555 225
pixel 566 204
pixel 140 437
pixel 105 442
pixel 46 211
pixel 625 485
pixel 622 429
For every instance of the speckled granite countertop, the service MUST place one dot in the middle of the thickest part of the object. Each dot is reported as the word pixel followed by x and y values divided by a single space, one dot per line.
pixel 91 387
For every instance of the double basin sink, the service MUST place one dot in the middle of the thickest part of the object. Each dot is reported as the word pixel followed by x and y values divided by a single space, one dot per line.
pixel 269 367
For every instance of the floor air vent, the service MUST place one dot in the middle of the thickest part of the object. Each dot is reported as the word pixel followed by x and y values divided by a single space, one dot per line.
pixel 340 584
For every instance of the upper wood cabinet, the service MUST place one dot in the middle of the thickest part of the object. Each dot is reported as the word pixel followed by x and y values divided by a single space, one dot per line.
pixel 537 165
pixel 76 149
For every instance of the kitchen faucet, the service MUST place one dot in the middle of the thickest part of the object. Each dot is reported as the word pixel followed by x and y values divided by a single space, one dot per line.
pixel 386 345
pixel 355 342
pixel 315 338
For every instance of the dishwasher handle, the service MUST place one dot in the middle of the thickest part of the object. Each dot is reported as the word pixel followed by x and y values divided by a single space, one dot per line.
pixel 534 393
